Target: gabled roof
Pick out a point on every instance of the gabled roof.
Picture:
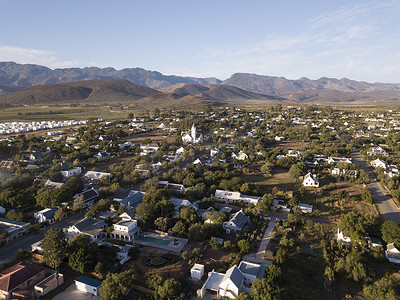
(252, 269)
(18, 274)
(88, 194)
(133, 199)
(88, 224)
(180, 202)
(239, 219)
(49, 213)
(234, 275)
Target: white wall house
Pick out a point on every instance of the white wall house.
(378, 163)
(88, 285)
(236, 222)
(46, 214)
(233, 282)
(71, 172)
(310, 180)
(232, 197)
(126, 229)
(392, 253)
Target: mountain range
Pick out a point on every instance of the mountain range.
(28, 84)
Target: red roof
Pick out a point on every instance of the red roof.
(18, 274)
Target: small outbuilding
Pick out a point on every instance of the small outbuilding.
(88, 285)
(197, 271)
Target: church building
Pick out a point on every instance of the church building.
(193, 137)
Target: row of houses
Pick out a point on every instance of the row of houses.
(18, 127)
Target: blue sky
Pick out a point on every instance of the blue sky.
(359, 40)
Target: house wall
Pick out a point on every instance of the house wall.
(86, 288)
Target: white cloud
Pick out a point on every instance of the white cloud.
(337, 44)
(33, 56)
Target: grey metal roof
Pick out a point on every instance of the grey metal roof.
(88, 194)
(50, 213)
(252, 269)
(134, 198)
(239, 219)
(235, 276)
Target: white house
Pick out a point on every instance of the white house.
(124, 145)
(197, 271)
(193, 137)
(46, 214)
(334, 160)
(233, 282)
(125, 229)
(377, 151)
(88, 285)
(378, 163)
(236, 222)
(279, 205)
(71, 172)
(240, 156)
(251, 272)
(89, 226)
(310, 180)
(181, 202)
(101, 155)
(95, 175)
(341, 238)
(232, 197)
(306, 208)
(148, 149)
(172, 186)
(392, 253)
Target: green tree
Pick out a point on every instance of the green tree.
(363, 177)
(154, 281)
(79, 203)
(54, 248)
(383, 289)
(391, 232)
(196, 232)
(244, 246)
(81, 252)
(168, 289)
(59, 214)
(50, 198)
(180, 229)
(267, 168)
(297, 170)
(116, 285)
(264, 290)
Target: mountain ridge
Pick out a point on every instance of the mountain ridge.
(14, 77)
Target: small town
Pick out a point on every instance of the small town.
(296, 201)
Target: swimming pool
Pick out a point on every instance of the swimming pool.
(151, 239)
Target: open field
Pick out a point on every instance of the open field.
(280, 179)
(295, 145)
(48, 113)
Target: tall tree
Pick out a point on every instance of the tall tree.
(54, 248)
(116, 285)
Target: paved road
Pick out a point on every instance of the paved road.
(384, 202)
(8, 252)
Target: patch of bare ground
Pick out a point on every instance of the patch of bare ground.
(299, 145)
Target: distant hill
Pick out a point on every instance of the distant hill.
(240, 87)
(215, 92)
(26, 75)
(273, 85)
(96, 91)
